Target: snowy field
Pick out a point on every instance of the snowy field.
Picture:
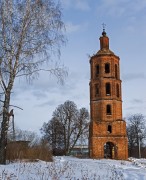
(69, 168)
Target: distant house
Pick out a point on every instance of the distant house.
(80, 151)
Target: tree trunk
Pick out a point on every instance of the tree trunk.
(4, 128)
(76, 139)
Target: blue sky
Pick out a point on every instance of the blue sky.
(126, 28)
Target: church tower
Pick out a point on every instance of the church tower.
(107, 137)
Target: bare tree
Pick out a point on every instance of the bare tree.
(81, 129)
(30, 32)
(72, 125)
(53, 133)
(24, 135)
(136, 131)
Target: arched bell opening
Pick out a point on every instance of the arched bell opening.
(110, 150)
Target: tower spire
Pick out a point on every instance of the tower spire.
(104, 33)
(104, 40)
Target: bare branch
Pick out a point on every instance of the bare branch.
(16, 107)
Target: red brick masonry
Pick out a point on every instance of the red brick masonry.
(106, 124)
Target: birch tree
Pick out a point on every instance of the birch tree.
(30, 32)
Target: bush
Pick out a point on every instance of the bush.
(18, 150)
(39, 152)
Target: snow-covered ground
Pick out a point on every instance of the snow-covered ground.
(69, 168)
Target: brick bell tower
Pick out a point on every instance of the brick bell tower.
(107, 137)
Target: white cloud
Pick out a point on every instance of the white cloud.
(66, 3)
(76, 4)
(138, 6)
(70, 27)
(137, 101)
(41, 98)
(133, 76)
(82, 5)
(111, 7)
(130, 29)
(121, 8)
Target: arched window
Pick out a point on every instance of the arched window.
(116, 71)
(108, 109)
(109, 129)
(107, 68)
(108, 89)
(96, 89)
(117, 90)
(97, 70)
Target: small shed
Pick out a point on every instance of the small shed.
(80, 151)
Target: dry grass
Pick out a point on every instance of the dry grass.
(58, 170)
(20, 150)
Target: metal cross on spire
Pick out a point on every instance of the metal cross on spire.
(103, 33)
(103, 25)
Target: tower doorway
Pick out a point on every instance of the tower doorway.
(110, 150)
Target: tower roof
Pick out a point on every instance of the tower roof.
(104, 44)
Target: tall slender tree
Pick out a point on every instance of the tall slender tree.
(30, 31)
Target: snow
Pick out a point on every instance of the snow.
(68, 168)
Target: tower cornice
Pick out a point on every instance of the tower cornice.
(104, 54)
